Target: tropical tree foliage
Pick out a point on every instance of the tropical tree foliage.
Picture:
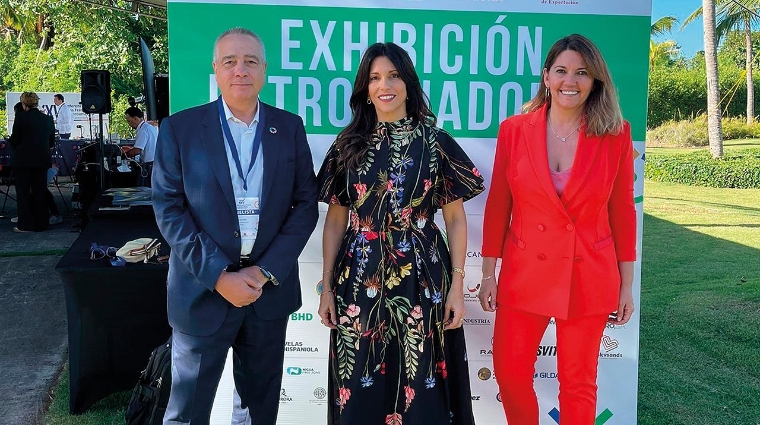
(47, 43)
(734, 15)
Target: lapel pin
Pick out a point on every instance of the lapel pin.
(272, 130)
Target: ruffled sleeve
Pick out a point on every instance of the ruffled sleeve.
(458, 177)
(333, 183)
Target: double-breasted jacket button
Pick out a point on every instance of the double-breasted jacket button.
(578, 259)
(541, 227)
(569, 227)
(237, 234)
(541, 257)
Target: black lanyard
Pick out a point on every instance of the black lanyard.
(231, 142)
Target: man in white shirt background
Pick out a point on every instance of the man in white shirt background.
(145, 142)
(64, 119)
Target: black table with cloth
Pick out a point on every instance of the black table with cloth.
(116, 315)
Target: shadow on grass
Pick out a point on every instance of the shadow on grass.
(700, 329)
(108, 411)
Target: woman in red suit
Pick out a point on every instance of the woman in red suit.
(560, 214)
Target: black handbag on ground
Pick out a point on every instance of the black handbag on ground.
(150, 396)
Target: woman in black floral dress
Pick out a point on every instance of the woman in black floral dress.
(392, 283)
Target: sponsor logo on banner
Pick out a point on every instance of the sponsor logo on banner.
(612, 326)
(498, 397)
(486, 352)
(474, 254)
(484, 374)
(475, 398)
(284, 398)
(298, 346)
(600, 420)
(320, 396)
(546, 351)
(473, 287)
(303, 317)
(474, 321)
(295, 370)
(545, 375)
(473, 298)
(608, 346)
(561, 2)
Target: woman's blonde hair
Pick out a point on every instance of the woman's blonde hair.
(602, 109)
(30, 99)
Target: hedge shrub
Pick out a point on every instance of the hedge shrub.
(693, 132)
(739, 168)
(680, 92)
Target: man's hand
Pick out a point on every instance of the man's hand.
(238, 288)
(255, 275)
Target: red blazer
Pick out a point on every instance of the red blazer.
(560, 255)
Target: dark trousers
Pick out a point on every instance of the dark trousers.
(198, 361)
(31, 189)
(64, 136)
(145, 174)
(50, 202)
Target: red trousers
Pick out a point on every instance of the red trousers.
(517, 336)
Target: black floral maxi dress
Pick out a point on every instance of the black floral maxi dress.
(390, 361)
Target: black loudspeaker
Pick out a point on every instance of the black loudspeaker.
(96, 92)
(162, 96)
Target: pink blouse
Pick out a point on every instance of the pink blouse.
(559, 179)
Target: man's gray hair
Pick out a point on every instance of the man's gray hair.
(240, 31)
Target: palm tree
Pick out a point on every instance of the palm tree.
(714, 130)
(732, 15)
(666, 49)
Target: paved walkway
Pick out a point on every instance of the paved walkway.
(33, 337)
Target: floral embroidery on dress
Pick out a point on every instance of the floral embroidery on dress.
(389, 354)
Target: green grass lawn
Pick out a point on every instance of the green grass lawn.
(700, 312)
(700, 306)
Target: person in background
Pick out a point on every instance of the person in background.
(64, 119)
(560, 214)
(55, 215)
(221, 169)
(145, 143)
(392, 289)
(31, 140)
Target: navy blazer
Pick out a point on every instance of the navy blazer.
(195, 210)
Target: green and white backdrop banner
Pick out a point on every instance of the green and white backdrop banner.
(479, 61)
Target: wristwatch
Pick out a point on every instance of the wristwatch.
(270, 277)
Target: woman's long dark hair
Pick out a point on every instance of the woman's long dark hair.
(353, 141)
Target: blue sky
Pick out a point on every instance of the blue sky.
(690, 38)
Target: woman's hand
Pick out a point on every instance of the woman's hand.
(327, 310)
(454, 310)
(487, 294)
(625, 307)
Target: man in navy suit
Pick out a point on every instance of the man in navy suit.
(221, 169)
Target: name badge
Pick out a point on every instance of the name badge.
(248, 218)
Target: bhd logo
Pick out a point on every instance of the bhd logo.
(477, 321)
(303, 317)
(600, 420)
(292, 370)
